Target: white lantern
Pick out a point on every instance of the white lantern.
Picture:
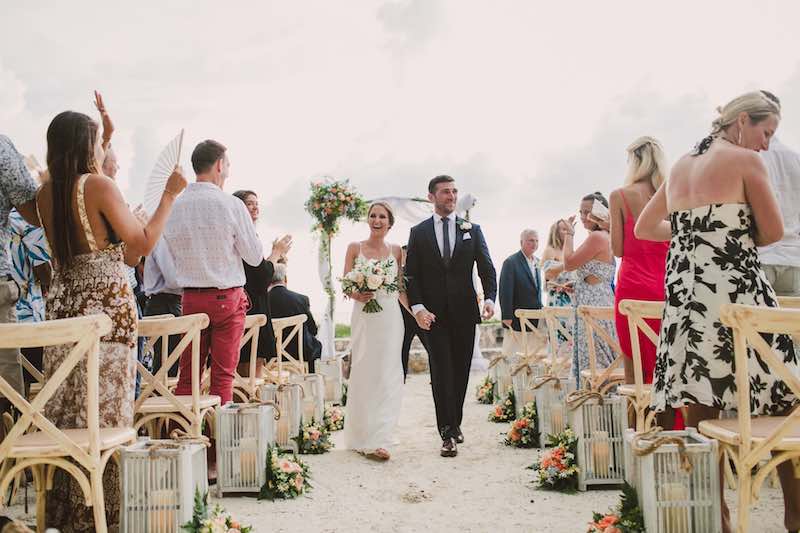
(331, 370)
(599, 425)
(289, 398)
(551, 394)
(159, 479)
(313, 396)
(243, 433)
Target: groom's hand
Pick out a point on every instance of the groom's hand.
(425, 319)
(488, 310)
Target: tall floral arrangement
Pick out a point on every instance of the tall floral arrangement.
(330, 201)
(505, 411)
(206, 519)
(524, 431)
(626, 518)
(485, 391)
(287, 478)
(557, 468)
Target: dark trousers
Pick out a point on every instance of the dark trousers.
(164, 304)
(412, 330)
(451, 347)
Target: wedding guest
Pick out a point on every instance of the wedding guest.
(520, 288)
(163, 296)
(560, 283)
(31, 271)
(412, 329)
(641, 276)
(258, 279)
(716, 207)
(209, 234)
(781, 260)
(285, 303)
(17, 189)
(593, 264)
(88, 224)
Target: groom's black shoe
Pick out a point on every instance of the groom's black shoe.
(459, 436)
(449, 448)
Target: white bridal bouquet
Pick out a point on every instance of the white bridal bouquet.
(371, 275)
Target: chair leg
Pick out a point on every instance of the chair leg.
(730, 477)
(743, 497)
(40, 485)
(98, 501)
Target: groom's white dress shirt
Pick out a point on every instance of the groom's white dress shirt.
(438, 230)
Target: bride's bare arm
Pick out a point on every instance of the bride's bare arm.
(398, 255)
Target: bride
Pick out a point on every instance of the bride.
(376, 374)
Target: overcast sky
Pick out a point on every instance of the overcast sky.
(529, 105)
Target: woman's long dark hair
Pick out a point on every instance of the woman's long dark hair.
(71, 139)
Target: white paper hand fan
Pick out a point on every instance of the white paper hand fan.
(167, 160)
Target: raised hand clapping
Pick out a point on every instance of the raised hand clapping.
(108, 125)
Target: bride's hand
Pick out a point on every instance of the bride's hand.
(362, 297)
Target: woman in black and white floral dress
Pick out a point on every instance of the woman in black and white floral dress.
(720, 206)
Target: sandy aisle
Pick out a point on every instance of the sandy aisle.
(485, 488)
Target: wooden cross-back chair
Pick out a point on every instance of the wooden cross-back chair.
(530, 337)
(747, 439)
(556, 330)
(83, 453)
(639, 393)
(600, 380)
(157, 404)
(246, 388)
(286, 329)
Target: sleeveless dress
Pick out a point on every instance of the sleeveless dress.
(557, 298)
(597, 294)
(641, 277)
(95, 282)
(375, 389)
(713, 260)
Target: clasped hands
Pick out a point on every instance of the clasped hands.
(425, 318)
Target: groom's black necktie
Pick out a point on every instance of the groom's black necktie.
(445, 241)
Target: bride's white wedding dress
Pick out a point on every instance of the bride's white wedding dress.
(375, 388)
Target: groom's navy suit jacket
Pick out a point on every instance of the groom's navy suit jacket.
(447, 291)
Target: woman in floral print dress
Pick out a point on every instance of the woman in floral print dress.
(720, 206)
(88, 226)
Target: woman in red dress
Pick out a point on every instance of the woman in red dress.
(641, 276)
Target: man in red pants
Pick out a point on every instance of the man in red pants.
(209, 233)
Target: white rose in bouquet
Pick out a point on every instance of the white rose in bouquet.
(374, 281)
(359, 278)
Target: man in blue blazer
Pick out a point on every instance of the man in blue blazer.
(520, 288)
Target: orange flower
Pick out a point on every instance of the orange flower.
(514, 434)
(498, 411)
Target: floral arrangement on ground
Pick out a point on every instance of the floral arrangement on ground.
(557, 468)
(485, 391)
(211, 520)
(524, 431)
(313, 438)
(287, 478)
(626, 518)
(334, 418)
(505, 411)
(332, 199)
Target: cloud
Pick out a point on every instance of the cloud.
(12, 94)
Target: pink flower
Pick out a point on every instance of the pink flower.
(286, 465)
(298, 482)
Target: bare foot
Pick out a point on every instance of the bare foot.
(379, 455)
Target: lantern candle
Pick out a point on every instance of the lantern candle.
(248, 460)
(162, 511)
(601, 453)
(557, 418)
(308, 411)
(676, 516)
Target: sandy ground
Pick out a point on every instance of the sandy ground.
(485, 488)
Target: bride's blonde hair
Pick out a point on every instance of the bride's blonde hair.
(385, 206)
(646, 161)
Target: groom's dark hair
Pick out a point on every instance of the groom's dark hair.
(437, 180)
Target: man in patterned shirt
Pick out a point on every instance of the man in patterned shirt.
(17, 189)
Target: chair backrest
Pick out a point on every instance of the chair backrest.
(189, 327)
(285, 330)
(590, 316)
(748, 322)
(637, 312)
(789, 302)
(84, 334)
(556, 318)
(532, 351)
(252, 330)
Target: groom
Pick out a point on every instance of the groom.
(441, 253)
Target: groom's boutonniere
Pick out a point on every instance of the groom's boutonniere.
(465, 226)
